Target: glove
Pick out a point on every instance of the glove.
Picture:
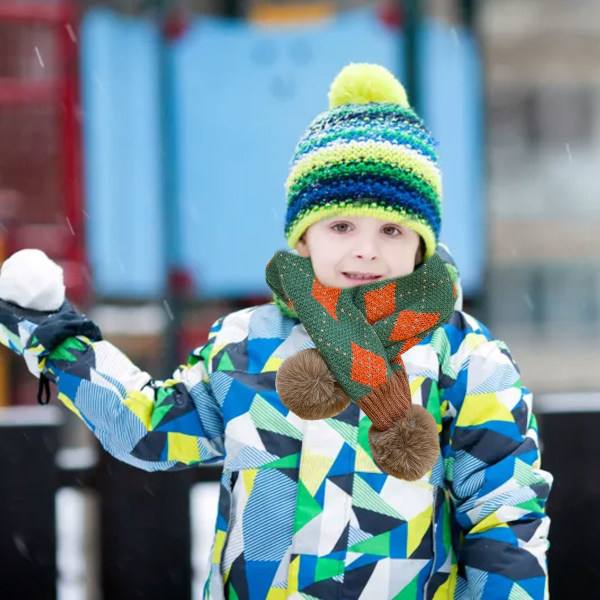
(45, 319)
(360, 334)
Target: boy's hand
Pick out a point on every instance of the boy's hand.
(34, 315)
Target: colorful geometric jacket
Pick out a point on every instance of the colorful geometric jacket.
(304, 512)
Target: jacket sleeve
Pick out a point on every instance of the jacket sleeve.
(154, 425)
(498, 491)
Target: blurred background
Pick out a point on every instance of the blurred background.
(144, 145)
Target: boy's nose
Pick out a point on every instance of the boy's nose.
(366, 251)
(365, 255)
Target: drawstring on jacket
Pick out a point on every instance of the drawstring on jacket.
(44, 387)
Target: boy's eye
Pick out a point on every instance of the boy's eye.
(391, 230)
(340, 227)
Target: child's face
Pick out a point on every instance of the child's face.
(349, 251)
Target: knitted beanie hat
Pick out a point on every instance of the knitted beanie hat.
(368, 155)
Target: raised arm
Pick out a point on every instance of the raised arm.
(151, 424)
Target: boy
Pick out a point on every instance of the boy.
(304, 510)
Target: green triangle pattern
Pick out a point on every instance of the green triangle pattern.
(524, 474)
(530, 505)
(533, 424)
(410, 591)
(225, 363)
(378, 545)
(63, 351)
(441, 345)
(287, 462)
(307, 508)
(73, 343)
(328, 567)
(433, 404)
(162, 407)
(518, 593)
(366, 497)
(446, 525)
(232, 594)
(158, 414)
(363, 434)
(267, 417)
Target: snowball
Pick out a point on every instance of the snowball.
(31, 280)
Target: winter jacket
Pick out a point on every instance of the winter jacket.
(304, 512)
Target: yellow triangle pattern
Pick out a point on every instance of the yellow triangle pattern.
(277, 594)
(226, 575)
(272, 364)
(489, 522)
(444, 407)
(249, 475)
(417, 527)
(474, 340)
(293, 575)
(364, 462)
(141, 406)
(446, 590)
(415, 384)
(314, 469)
(182, 447)
(218, 547)
(481, 408)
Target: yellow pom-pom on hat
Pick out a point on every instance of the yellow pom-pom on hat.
(361, 83)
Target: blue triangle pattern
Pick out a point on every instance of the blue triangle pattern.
(344, 461)
(187, 423)
(259, 351)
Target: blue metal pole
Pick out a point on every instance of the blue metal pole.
(412, 12)
(173, 302)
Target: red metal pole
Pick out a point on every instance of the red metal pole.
(67, 32)
(70, 115)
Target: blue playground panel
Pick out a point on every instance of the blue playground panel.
(242, 95)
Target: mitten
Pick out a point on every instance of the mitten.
(359, 334)
(34, 315)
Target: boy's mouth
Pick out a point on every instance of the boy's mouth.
(362, 277)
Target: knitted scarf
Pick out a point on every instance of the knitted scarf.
(362, 331)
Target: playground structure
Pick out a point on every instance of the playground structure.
(41, 193)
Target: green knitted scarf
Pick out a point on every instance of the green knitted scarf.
(362, 331)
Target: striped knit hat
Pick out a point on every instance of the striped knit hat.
(368, 155)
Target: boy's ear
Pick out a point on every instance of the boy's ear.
(302, 248)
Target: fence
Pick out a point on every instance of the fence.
(79, 526)
(76, 525)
